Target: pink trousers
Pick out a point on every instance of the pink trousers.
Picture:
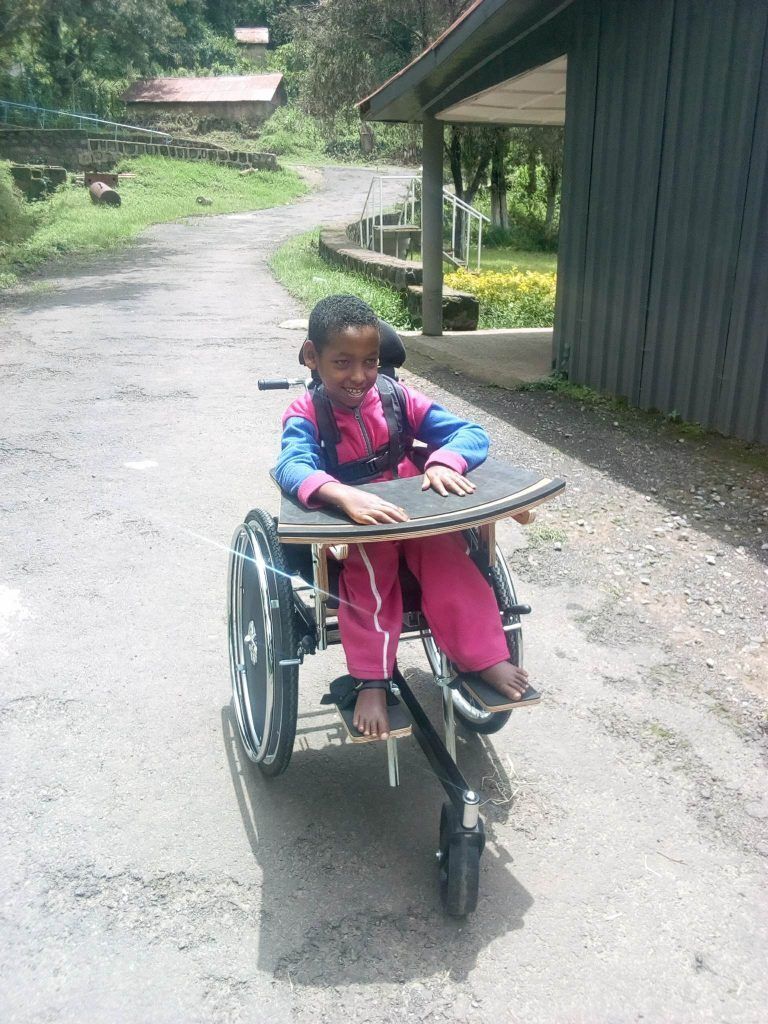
(457, 601)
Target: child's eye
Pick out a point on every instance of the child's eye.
(341, 363)
(371, 362)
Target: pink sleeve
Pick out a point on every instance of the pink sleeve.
(446, 457)
(310, 485)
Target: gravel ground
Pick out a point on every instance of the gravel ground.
(148, 874)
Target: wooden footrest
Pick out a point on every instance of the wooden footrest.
(491, 700)
(399, 724)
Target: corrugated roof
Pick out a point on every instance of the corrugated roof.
(252, 35)
(216, 89)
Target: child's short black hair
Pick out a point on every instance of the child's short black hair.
(335, 313)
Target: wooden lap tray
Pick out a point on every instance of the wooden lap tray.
(502, 491)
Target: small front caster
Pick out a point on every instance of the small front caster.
(459, 860)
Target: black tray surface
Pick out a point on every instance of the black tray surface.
(502, 490)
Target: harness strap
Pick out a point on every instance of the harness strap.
(386, 458)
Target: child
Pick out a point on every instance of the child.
(342, 350)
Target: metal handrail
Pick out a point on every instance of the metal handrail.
(407, 215)
(4, 104)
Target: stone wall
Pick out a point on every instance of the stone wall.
(76, 149)
(461, 310)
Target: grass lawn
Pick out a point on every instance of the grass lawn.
(298, 266)
(505, 259)
(163, 190)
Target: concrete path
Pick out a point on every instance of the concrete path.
(148, 875)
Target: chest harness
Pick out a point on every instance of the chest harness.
(388, 457)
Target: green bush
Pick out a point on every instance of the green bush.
(16, 221)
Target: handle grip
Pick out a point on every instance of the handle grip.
(274, 384)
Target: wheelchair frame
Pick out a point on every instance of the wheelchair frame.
(285, 636)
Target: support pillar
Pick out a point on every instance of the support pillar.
(432, 227)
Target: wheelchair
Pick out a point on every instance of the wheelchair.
(283, 604)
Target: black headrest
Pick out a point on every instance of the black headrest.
(391, 351)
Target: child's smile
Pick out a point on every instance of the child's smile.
(348, 364)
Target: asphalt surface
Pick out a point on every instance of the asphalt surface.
(148, 874)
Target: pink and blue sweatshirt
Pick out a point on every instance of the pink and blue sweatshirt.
(301, 467)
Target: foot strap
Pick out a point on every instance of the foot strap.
(344, 691)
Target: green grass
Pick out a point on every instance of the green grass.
(299, 267)
(163, 190)
(507, 259)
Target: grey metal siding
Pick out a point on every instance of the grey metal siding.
(663, 273)
(581, 96)
(631, 90)
(744, 410)
(717, 51)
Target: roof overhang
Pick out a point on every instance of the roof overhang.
(476, 71)
(535, 97)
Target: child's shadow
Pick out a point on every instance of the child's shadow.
(349, 874)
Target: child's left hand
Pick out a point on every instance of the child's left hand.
(446, 481)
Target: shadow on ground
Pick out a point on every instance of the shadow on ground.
(637, 452)
(334, 841)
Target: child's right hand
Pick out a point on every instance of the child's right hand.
(361, 507)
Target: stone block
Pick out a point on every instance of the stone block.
(461, 310)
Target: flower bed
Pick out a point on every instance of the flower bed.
(514, 298)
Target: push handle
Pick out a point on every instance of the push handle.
(274, 384)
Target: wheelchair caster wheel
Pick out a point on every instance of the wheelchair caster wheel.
(459, 861)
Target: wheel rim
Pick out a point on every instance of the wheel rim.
(463, 702)
(251, 642)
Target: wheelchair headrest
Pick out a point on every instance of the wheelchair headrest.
(391, 350)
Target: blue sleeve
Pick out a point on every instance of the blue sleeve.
(440, 429)
(300, 454)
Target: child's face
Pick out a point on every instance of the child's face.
(348, 364)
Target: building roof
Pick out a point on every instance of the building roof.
(459, 70)
(252, 36)
(215, 89)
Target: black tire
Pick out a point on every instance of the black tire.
(459, 866)
(469, 712)
(262, 634)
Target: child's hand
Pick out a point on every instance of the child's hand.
(361, 507)
(446, 481)
(368, 509)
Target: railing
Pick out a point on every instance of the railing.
(464, 220)
(83, 120)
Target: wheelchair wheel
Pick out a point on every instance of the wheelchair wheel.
(459, 865)
(473, 716)
(263, 646)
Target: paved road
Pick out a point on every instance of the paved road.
(148, 875)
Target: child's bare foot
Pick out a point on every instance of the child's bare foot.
(371, 717)
(508, 679)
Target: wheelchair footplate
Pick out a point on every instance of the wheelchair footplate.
(493, 701)
(399, 724)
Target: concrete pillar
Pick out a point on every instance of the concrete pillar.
(432, 226)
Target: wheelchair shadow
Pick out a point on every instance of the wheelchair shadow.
(349, 890)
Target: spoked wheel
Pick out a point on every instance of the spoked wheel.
(471, 713)
(263, 647)
(459, 864)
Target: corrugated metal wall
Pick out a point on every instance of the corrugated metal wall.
(663, 266)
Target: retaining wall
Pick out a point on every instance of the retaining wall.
(461, 310)
(76, 149)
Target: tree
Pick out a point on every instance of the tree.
(351, 47)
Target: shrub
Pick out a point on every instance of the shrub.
(16, 222)
(512, 299)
